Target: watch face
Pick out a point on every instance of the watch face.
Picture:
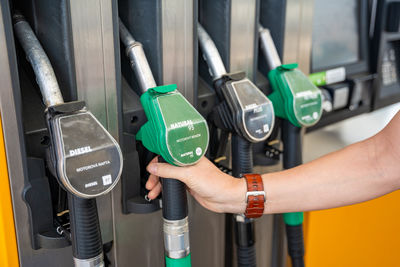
(89, 161)
(254, 111)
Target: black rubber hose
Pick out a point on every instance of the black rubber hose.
(242, 156)
(294, 235)
(292, 157)
(174, 199)
(245, 243)
(246, 256)
(292, 145)
(242, 162)
(85, 227)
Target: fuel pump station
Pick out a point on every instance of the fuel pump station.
(299, 103)
(176, 132)
(70, 125)
(82, 155)
(247, 113)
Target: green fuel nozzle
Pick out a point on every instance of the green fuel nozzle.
(175, 129)
(294, 96)
(177, 132)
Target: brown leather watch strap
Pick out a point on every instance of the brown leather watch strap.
(255, 196)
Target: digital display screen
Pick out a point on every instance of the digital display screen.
(335, 39)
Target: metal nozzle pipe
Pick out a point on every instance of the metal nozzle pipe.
(211, 54)
(138, 60)
(126, 37)
(41, 65)
(268, 48)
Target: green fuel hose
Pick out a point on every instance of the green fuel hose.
(183, 262)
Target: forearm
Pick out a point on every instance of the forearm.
(345, 177)
(357, 173)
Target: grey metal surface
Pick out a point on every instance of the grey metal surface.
(15, 148)
(210, 53)
(94, 56)
(138, 238)
(40, 63)
(243, 36)
(138, 60)
(298, 33)
(207, 236)
(178, 45)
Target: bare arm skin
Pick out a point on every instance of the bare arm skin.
(357, 173)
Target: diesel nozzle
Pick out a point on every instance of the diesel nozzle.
(83, 156)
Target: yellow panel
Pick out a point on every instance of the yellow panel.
(366, 234)
(8, 242)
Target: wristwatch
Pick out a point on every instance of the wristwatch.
(255, 196)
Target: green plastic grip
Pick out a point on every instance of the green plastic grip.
(183, 262)
(293, 218)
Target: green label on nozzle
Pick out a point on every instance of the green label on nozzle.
(307, 98)
(186, 129)
(175, 129)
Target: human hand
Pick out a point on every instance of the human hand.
(212, 188)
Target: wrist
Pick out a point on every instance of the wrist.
(236, 196)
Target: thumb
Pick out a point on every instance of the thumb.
(165, 170)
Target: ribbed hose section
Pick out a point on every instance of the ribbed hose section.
(242, 156)
(246, 256)
(174, 199)
(242, 162)
(85, 228)
(295, 244)
(245, 242)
